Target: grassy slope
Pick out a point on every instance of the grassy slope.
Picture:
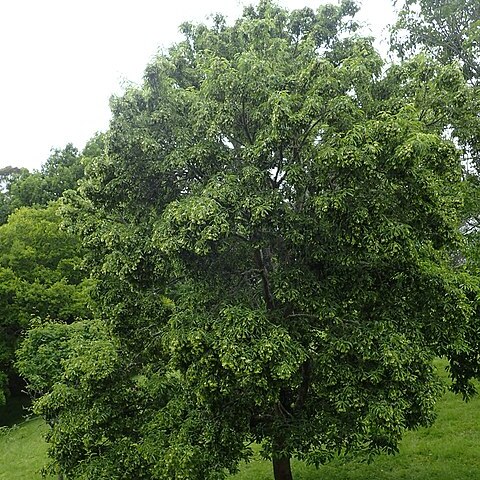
(23, 451)
(447, 451)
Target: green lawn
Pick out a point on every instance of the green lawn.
(23, 451)
(450, 450)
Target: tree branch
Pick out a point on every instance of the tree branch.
(306, 371)
(260, 259)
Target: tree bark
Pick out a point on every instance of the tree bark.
(281, 464)
(281, 469)
(263, 261)
(281, 461)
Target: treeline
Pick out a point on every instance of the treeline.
(272, 242)
(40, 263)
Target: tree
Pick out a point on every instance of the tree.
(272, 231)
(8, 175)
(39, 263)
(39, 277)
(61, 171)
(80, 352)
(449, 30)
(449, 33)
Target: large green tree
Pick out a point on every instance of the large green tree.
(273, 227)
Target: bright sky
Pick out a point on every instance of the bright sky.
(61, 60)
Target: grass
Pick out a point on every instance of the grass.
(23, 451)
(447, 451)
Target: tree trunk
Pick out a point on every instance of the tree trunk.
(281, 469)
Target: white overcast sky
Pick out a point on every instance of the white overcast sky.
(61, 60)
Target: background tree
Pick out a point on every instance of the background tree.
(78, 365)
(449, 30)
(272, 229)
(8, 175)
(449, 33)
(39, 277)
(61, 171)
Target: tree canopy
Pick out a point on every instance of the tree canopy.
(449, 30)
(449, 33)
(60, 172)
(273, 224)
(39, 277)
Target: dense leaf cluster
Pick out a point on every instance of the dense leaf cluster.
(40, 276)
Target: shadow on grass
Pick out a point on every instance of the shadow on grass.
(15, 411)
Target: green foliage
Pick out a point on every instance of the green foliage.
(272, 226)
(60, 172)
(449, 33)
(21, 188)
(8, 175)
(447, 450)
(39, 277)
(448, 30)
(93, 400)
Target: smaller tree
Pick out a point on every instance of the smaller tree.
(448, 31)
(94, 397)
(60, 172)
(39, 276)
(8, 176)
